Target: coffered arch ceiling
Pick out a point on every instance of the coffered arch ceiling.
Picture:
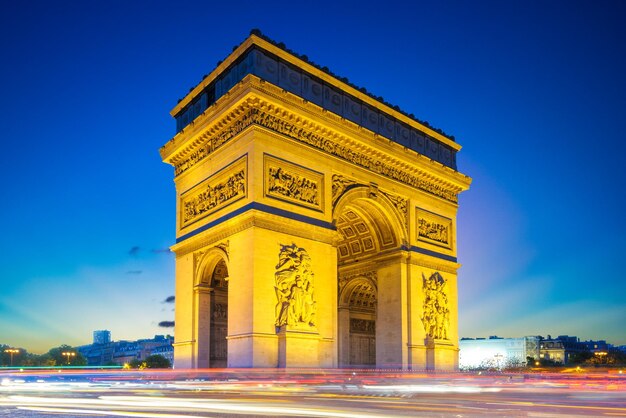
(363, 296)
(365, 231)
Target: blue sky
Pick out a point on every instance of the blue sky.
(534, 91)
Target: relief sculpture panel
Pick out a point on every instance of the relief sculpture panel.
(224, 187)
(295, 305)
(292, 183)
(362, 326)
(434, 229)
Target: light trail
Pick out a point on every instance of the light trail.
(105, 404)
(309, 394)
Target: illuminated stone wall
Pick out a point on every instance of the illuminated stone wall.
(339, 244)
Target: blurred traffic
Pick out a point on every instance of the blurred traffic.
(308, 393)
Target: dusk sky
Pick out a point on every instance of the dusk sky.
(534, 91)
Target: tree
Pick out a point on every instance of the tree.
(55, 357)
(15, 358)
(157, 361)
(137, 364)
(580, 357)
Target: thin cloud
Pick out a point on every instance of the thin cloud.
(134, 272)
(134, 251)
(161, 251)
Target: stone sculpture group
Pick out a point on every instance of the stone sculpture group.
(436, 317)
(294, 288)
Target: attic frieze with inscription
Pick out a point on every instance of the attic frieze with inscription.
(322, 139)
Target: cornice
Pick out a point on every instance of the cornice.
(347, 131)
(433, 263)
(273, 49)
(212, 120)
(251, 219)
(255, 102)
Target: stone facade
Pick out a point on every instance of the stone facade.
(305, 239)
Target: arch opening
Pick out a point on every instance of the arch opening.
(358, 301)
(366, 229)
(218, 330)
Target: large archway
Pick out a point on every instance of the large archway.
(211, 305)
(369, 235)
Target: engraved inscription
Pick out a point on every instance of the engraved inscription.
(211, 194)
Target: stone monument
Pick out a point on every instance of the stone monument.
(316, 224)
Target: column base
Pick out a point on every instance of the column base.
(298, 347)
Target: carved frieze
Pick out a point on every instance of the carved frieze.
(225, 187)
(294, 287)
(293, 183)
(434, 229)
(321, 141)
(436, 317)
(350, 154)
(220, 312)
(362, 326)
(215, 141)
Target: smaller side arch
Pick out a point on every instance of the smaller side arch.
(345, 294)
(207, 264)
(210, 310)
(357, 322)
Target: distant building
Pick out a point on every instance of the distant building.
(496, 352)
(562, 348)
(553, 350)
(102, 337)
(122, 352)
(597, 346)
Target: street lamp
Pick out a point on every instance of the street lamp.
(601, 355)
(11, 351)
(68, 354)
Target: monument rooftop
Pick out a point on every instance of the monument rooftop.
(275, 64)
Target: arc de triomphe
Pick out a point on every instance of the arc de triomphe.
(316, 224)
